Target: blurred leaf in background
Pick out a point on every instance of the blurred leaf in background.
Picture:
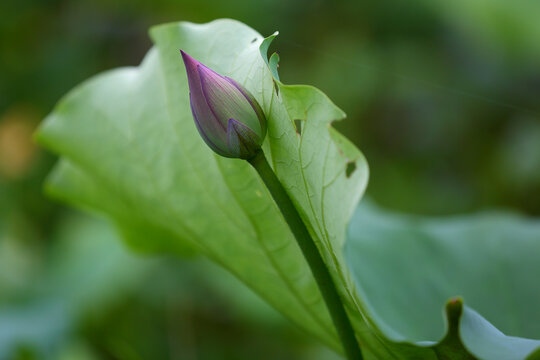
(94, 299)
(407, 267)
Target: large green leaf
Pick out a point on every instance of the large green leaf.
(131, 150)
(407, 267)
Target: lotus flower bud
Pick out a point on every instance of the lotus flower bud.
(226, 114)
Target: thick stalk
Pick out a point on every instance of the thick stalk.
(312, 255)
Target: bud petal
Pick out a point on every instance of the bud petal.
(227, 116)
(242, 140)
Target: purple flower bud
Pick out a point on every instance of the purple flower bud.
(227, 115)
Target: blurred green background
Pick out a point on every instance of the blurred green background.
(443, 98)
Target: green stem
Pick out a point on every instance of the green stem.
(312, 255)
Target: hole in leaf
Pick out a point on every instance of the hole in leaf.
(351, 166)
(298, 126)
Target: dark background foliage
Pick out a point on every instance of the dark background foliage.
(443, 98)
